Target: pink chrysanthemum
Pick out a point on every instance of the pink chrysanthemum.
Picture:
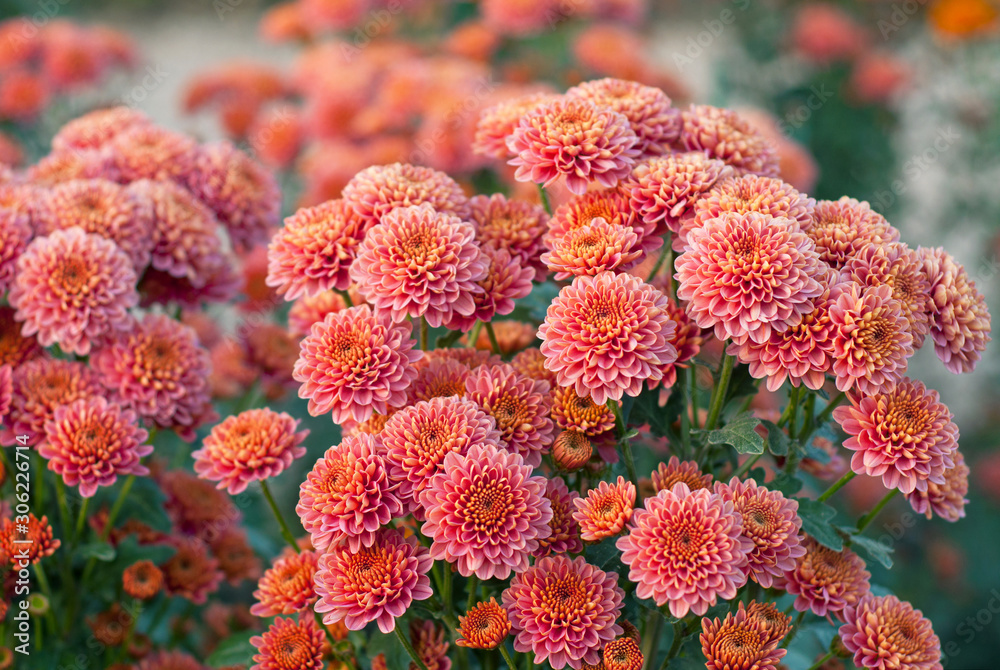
(15, 348)
(748, 275)
(348, 495)
(73, 289)
(15, 233)
(507, 279)
(564, 611)
(960, 318)
(147, 151)
(826, 581)
(607, 335)
(416, 440)
(439, 378)
(497, 123)
(314, 251)
(739, 642)
(192, 572)
(355, 363)
(593, 248)
(41, 386)
(519, 405)
(648, 109)
(884, 632)
(91, 441)
(842, 228)
(485, 512)
(6, 389)
(306, 311)
(379, 189)
(287, 586)
(724, 134)
(676, 470)
(576, 139)
(431, 644)
(160, 370)
(95, 129)
(514, 225)
(420, 262)
(251, 446)
(610, 204)
(376, 583)
(663, 191)
(565, 536)
(945, 500)
(290, 644)
(243, 194)
(572, 411)
(905, 436)
(685, 548)
(871, 338)
(771, 522)
(605, 510)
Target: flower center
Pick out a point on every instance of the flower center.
(486, 505)
(73, 276)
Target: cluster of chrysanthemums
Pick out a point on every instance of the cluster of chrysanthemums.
(475, 495)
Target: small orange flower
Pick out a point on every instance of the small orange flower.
(605, 510)
(571, 450)
(142, 580)
(668, 474)
(623, 654)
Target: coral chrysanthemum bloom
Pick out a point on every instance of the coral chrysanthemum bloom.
(15, 349)
(685, 548)
(41, 386)
(622, 653)
(355, 363)
(842, 228)
(747, 275)
(572, 411)
(95, 129)
(485, 512)
(439, 377)
(376, 583)
(724, 134)
(676, 470)
(905, 436)
(592, 248)
(496, 123)
(431, 644)
(379, 189)
(416, 440)
(665, 190)
(15, 233)
(564, 611)
(315, 249)
(514, 225)
(304, 312)
(420, 262)
(250, 446)
(826, 581)
(147, 151)
(605, 510)
(775, 621)
(884, 632)
(565, 537)
(739, 642)
(610, 204)
(648, 109)
(531, 363)
(871, 338)
(160, 370)
(195, 506)
(485, 626)
(73, 289)
(31, 541)
(519, 405)
(92, 441)
(575, 139)
(508, 278)
(142, 580)
(288, 644)
(945, 500)
(287, 586)
(771, 522)
(348, 495)
(571, 450)
(607, 335)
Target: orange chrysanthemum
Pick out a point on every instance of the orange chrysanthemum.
(622, 653)
(571, 450)
(674, 471)
(605, 510)
(31, 541)
(740, 642)
(826, 581)
(842, 228)
(287, 586)
(485, 626)
(142, 580)
(290, 645)
(191, 573)
(885, 633)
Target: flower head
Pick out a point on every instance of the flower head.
(507, 279)
(147, 151)
(514, 225)
(605, 510)
(826, 581)
(531, 363)
(622, 653)
(15, 348)
(593, 248)
(676, 470)
(945, 500)
(664, 190)
(191, 573)
(40, 387)
(724, 134)
(142, 580)
(287, 586)
(571, 450)
(195, 506)
(306, 311)
(580, 413)
(485, 626)
(439, 377)
(290, 644)
(430, 643)
(775, 621)
(95, 129)
(611, 205)
(497, 123)
(15, 233)
(739, 642)
(379, 189)
(565, 537)
(31, 541)
(883, 632)
(648, 110)
(842, 228)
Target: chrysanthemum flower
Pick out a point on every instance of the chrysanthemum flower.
(607, 335)
(439, 377)
(290, 644)
(420, 262)
(485, 512)
(648, 109)
(905, 436)
(91, 441)
(576, 139)
(95, 129)
(376, 583)
(842, 228)
(724, 134)
(41, 386)
(771, 522)
(610, 204)
(31, 545)
(826, 581)
(774, 620)
(147, 151)
(306, 311)
(739, 642)
(15, 348)
(6, 389)
(622, 653)
(685, 548)
(287, 586)
(944, 500)
(580, 413)
(571, 450)
(73, 289)
(64, 166)
(884, 632)
(355, 363)
(676, 470)
(485, 626)
(169, 660)
(531, 363)
(160, 370)
(593, 248)
(564, 611)
(664, 190)
(519, 405)
(511, 336)
(871, 338)
(565, 537)
(142, 580)
(605, 510)
(747, 275)
(960, 318)
(348, 495)
(518, 18)
(191, 573)
(250, 446)
(195, 506)
(514, 225)
(430, 643)
(379, 189)
(416, 440)
(507, 279)
(214, 279)
(497, 123)
(236, 557)
(15, 233)
(315, 249)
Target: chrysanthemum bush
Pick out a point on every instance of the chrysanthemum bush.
(594, 429)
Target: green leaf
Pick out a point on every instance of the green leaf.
(102, 551)
(872, 550)
(816, 518)
(740, 434)
(234, 650)
(646, 409)
(602, 553)
(777, 440)
(787, 484)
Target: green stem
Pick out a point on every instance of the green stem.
(447, 580)
(745, 468)
(822, 417)
(679, 630)
(493, 338)
(867, 519)
(285, 532)
(819, 664)
(693, 372)
(682, 380)
(63, 506)
(423, 332)
(544, 197)
(117, 506)
(651, 638)
(472, 586)
(623, 441)
(405, 641)
(474, 334)
(80, 519)
(659, 262)
(507, 658)
(837, 485)
(809, 411)
(795, 629)
(346, 296)
(719, 395)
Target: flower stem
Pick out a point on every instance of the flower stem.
(405, 641)
(472, 586)
(682, 380)
(795, 629)
(651, 638)
(867, 519)
(423, 333)
(285, 532)
(80, 519)
(819, 664)
(719, 395)
(474, 334)
(507, 658)
(810, 417)
(693, 372)
(346, 296)
(837, 485)
(543, 195)
(679, 630)
(659, 262)
(830, 406)
(63, 505)
(623, 441)
(745, 468)
(493, 338)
